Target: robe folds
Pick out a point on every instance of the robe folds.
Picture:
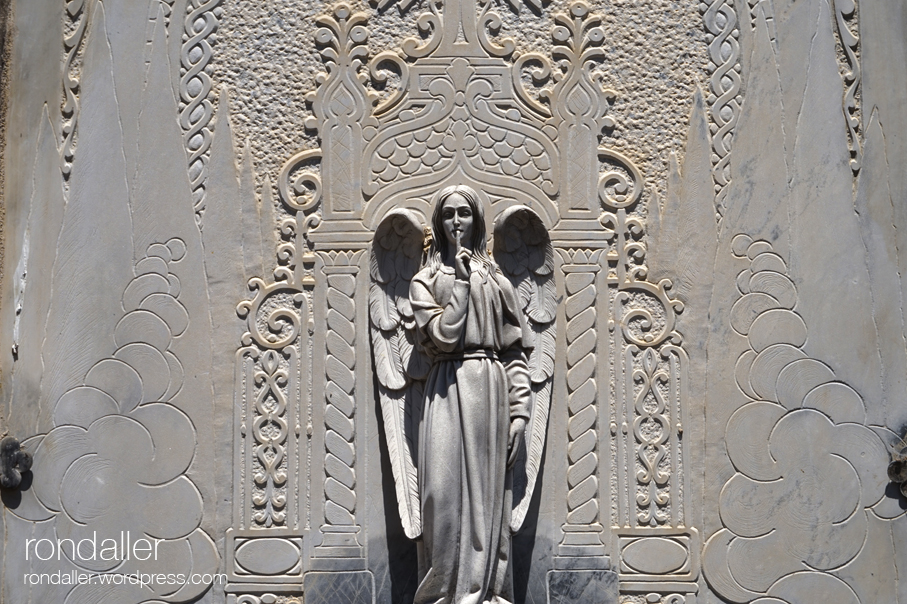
(478, 383)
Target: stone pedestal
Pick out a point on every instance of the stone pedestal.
(582, 587)
(339, 587)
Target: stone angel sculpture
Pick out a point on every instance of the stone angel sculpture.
(463, 347)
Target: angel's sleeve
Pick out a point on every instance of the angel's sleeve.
(519, 385)
(443, 325)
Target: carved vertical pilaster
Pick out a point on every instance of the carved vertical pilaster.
(721, 23)
(341, 527)
(648, 414)
(582, 530)
(195, 88)
(270, 462)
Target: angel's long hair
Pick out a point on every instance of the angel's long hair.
(439, 250)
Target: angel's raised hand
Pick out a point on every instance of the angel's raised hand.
(461, 263)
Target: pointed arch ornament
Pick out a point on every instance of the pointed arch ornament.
(459, 104)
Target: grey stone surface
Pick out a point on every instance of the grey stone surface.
(350, 587)
(213, 212)
(593, 586)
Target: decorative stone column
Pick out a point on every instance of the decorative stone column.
(340, 528)
(582, 531)
(338, 567)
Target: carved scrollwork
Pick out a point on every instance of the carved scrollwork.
(644, 325)
(272, 323)
(845, 11)
(622, 185)
(490, 21)
(270, 431)
(72, 43)
(651, 427)
(377, 69)
(300, 188)
(646, 313)
(429, 24)
(539, 69)
(286, 251)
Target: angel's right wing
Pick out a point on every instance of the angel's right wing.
(400, 364)
(522, 248)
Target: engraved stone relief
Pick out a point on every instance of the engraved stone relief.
(773, 507)
(242, 315)
(438, 365)
(195, 89)
(721, 22)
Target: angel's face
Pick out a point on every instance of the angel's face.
(456, 218)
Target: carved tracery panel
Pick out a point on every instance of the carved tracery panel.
(524, 129)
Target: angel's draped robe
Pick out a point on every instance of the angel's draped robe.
(478, 383)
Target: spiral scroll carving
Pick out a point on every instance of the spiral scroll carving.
(340, 364)
(845, 19)
(195, 87)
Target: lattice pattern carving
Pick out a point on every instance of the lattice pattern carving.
(651, 428)
(270, 430)
(195, 88)
(721, 23)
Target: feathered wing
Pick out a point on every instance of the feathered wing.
(522, 248)
(400, 365)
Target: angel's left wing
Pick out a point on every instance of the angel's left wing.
(522, 248)
(400, 365)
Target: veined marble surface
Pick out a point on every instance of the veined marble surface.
(213, 211)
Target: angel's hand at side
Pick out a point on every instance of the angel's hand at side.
(517, 430)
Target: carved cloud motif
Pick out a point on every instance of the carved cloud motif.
(118, 438)
(800, 435)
